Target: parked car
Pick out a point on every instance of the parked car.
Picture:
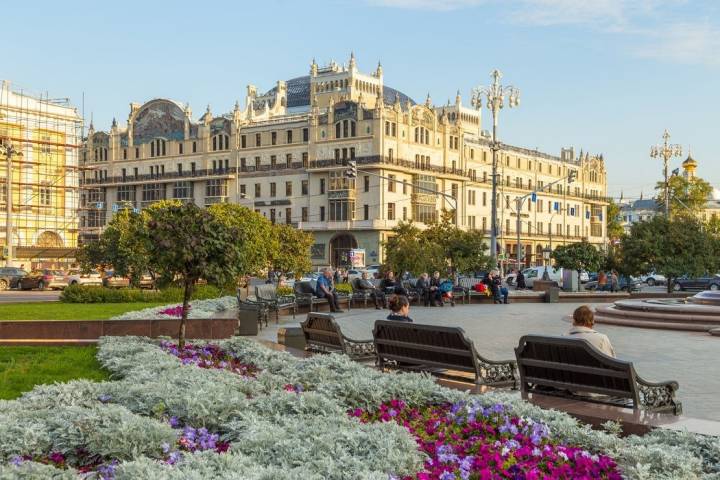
(110, 280)
(653, 279)
(10, 277)
(584, 277)
(76, 277)
(353, 274)
(709, 282)
(536, 273)
(42, 279)
(627, 284)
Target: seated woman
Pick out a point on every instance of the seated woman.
(400, 307)
(583, 321)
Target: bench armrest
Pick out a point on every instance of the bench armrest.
(285, 299)
(659, 396)
(359, 348)
(498, 371)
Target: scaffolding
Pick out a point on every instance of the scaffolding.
(43, 177)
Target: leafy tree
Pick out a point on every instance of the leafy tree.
(676, 247)
(613, 224)
(122, 245)
(578, 256)
(291, 250)
(187, 243)
(256, 236)
(688, 196)
(461, 250)
(404, 249)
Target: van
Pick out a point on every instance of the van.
(536, 273)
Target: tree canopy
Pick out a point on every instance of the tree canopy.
(687, 195)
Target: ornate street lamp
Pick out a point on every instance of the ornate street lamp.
(546, 256)
(495, 96)
(666, 151)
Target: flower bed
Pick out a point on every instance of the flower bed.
(175, 414)
(198, 309)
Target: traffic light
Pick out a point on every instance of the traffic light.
(572, 176)
(351, 171)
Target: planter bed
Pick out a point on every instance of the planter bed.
(236, 409)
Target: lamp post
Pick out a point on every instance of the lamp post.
(495, 99)
(9, 151)
(666, 151)
(546, 256)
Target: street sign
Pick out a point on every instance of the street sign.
(533, 197)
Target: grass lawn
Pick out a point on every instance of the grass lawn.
(67, 311)
(21, 368)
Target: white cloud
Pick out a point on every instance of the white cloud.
(427, 4)
(682, 42)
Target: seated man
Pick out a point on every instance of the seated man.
(364, 284)
(435, 293)
(583, 321)
(390, 285)
(423, 288)
(324, 289)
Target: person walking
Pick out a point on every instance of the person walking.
(583, 322)
(324, 289)
(520, 281)
(602, 281)
(366, 285)
(613, 281)
(400, 308)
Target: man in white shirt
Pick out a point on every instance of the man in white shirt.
(583, 321)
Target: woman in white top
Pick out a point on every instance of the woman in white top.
(583, 321)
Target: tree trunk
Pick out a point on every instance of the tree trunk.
(189, 286)
(670, 285)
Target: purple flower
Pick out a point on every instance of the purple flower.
(105, 397)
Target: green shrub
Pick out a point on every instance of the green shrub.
(285, 291)
(343, 288)
(90, 294)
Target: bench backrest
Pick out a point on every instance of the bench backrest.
(428, 345)
(575, 365)
(355, 284)
(266, 292)
(320, 329)
(304, 288)
(467, 282)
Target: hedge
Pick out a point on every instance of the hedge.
(90, 294)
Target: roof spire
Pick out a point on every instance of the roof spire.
(428, 101)
(352, 64)
(379, 70)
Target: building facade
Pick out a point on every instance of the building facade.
(43, 179)
(284, 154)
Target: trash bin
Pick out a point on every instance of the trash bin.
(552, 295)
(249, 318)
(291, 337)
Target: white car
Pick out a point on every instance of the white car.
(373, 270)
(653, 279)
(76, 277)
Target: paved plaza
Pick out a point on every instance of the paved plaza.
(689, 358)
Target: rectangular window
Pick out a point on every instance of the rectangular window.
(322, 214)
(306, 135)
(194, 147)
(126, 193)
(390, 154)
(272, 216)
(404, 213)
(391, 211)
(258, 190)
(137, 152)
(404, 185)
(45, 196)
(341, 210)
(387, 128)
(304, 214)
(391, 183)
(243, 165)
(192, 167)
(243, 192)
(257, 163)
(304, 187)
(596, 229)
(394, 130)
(322, 186)
(214, 189)
(258, 140)
(366, 212)
(135, 172)
(366, 183)
(288, 215)
(288, 160)
(273, 189)
(288, 189)
(152, 192)
(484, 199)
(273, 161)
(180, 148)
(305, 162)
(124, 174)
(484, 223)
(243, 141)
(288, 136)
(183, 190)
(124, 153)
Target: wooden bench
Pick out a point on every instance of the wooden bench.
(572, 368)
(305, 295)
(467, 285)
(442, 351)
(267, 293)
(322, 334)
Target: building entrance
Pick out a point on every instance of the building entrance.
(340, 247)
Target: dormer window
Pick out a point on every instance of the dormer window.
(220, 142)
(345, 129)
(157, 148)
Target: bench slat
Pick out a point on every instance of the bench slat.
(578, 387)
(565, 367)
(419, 362)
(425, 347)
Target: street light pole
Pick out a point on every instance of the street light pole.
(666, 151)
(495, 100)
(9, 150)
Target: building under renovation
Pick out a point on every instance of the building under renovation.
(38, 178)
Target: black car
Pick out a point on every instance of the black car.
(627, 284)
(10, 277)
(708, 282)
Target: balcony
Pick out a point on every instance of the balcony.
(343, 194)
(214, 200)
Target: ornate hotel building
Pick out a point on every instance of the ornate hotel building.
(283, 154)
(42, 177)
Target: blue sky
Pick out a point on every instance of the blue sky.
(602, 75)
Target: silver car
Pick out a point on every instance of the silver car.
(76, 277)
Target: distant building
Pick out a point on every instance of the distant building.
(44, 180)
(284, 154)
